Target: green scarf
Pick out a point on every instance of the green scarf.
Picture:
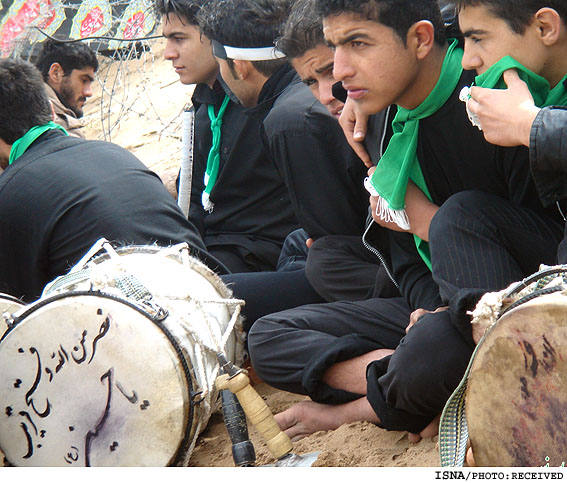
(541, 91)
(399, 163)
(213, 161)
(21, 145)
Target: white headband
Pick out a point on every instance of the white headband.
(252, 54)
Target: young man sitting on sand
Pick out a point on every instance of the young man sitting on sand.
(239, 202)
(352, 359)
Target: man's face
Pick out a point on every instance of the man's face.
(75, 88)
(315, 68)
(189, 52)
(489, 38)
(372, 62)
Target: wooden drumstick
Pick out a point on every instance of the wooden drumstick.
(257, 412)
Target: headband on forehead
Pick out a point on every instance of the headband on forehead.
(246, 53)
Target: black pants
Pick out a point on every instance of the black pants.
(470, 246)
(481, 241)
(340, 267)
(268, 292)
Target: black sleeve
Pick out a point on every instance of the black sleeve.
(315, 161)
(414, 278)
(548, 153)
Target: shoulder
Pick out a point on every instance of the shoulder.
(296, 109)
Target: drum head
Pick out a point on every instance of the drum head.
(516, 398)
(88, 380)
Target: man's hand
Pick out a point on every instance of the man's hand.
(419, 209)
(418, 313)
(506, 115)
(354, 126)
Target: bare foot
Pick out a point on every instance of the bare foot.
(428, 432)
(305, 418)
(308, 417)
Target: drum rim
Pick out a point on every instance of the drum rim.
(11, 298)
(185, 443)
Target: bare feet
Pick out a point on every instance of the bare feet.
(428, 432)
(308, 417)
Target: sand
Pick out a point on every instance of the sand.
(358, 444)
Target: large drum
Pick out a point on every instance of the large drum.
(514, 397)
(115, 365)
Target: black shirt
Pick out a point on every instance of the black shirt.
(63, 194)
(454, 157)
(252, 206)
(322, 173)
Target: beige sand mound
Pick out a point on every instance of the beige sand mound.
(355, 444)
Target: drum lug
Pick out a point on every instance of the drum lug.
(9, 319)
(193, 395)
(159, 313)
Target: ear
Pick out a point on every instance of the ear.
(421, 37)
(4, 153)
(243, 68)
(548, 23)
(56, 73)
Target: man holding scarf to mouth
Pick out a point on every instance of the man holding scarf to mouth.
(520, 98)
(354, 355)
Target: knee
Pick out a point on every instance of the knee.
(459, 211)
(315, 260)
(426, 367)
(257, 338)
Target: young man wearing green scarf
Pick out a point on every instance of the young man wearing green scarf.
(239, 202)
(60, 194)
(535, 34)
(355, 355)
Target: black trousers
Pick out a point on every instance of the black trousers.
(340, 267)
(268, 292)
(470, 246)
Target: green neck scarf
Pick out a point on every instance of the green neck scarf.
(21, 145)
(541, 91)
(213, 161)
(399, 163)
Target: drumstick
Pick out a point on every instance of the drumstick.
(255, 408)
(243, 452)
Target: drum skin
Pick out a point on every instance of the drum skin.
(516, 399)
(89, 381)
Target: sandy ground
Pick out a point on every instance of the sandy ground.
(351, 445)
(140, 111)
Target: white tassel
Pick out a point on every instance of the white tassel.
(399, 217)
(208, 205)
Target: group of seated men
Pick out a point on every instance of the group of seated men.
(369, 318)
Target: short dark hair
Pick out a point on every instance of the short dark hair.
(186, 10)
(399, 15)
(518, 14)
(23, 100)
(302, 31)
(246, 23)
(69, 55)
